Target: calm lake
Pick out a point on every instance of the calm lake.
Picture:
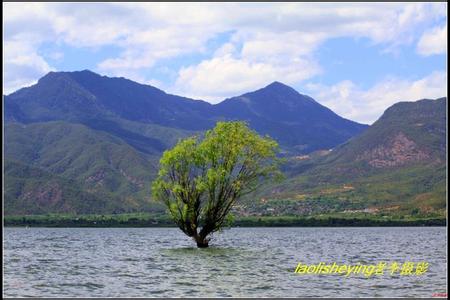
(161, 262)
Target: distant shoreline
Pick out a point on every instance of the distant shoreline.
(149, 221)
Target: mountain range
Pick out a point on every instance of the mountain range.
(78, 142)
(113, 105)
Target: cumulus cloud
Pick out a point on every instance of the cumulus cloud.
(433, 41)
(226, 75)
(283, 48)
(22, 66)
(366, 106)
(270, 41)
(144, 49)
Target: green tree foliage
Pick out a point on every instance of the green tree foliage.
(200, 179)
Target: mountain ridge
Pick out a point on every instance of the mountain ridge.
(86, 97)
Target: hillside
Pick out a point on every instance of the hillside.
(398, 165)
(100, 166)
(30, 190)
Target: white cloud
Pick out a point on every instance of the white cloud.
(433, 41)
(270, 40)
(225, 49)
(366, 106)
(222, 76)
(269, 46)
(22, 66)
(143, 49)
(283, 48)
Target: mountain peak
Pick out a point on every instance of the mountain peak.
(280, 93)
(51, 75)
(67, 75)
(283, 90)
(276, 85)
(85, 72)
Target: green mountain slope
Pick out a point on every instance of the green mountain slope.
(96, 162)
(30, 190)
(398, 165)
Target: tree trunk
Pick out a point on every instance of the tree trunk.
(201, 242)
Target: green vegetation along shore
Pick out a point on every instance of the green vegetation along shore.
(161, 220)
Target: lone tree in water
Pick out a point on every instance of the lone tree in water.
(200, 179)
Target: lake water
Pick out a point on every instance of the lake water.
(252, 262)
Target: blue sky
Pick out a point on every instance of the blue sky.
(367, 64)
(355, 58)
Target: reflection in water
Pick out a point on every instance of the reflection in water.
(161, 262)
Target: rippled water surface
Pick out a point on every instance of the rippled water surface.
(161, 262)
